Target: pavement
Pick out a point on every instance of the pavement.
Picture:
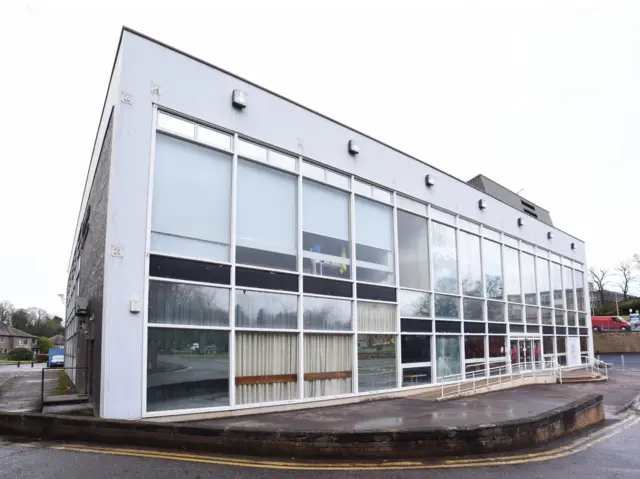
(20, 386)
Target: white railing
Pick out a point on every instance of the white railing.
(599, 367)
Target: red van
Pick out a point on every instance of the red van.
(610, 323)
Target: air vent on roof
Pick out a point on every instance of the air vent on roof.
(528, 205)
(530, 213)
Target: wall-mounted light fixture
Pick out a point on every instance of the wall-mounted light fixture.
(573, 246)
(239, 99)
(482, 204)
(520, 222)
(428, 180)
(549, 235)
(354, 149)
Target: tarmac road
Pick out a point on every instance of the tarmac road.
(606, 452)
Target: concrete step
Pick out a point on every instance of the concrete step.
(65, 399)
(69, 409)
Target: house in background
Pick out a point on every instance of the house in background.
(11, 338)
(57, 340)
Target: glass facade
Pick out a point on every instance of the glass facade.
(321, 285)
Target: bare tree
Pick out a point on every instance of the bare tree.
(600, 280)
(6, 310)
(627, 276)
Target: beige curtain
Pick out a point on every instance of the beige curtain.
(327, 354)
(266, 354)
(376, 317)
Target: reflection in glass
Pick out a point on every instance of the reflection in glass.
(496, 346)
(325, 314)
(582, 319)
(492, 262)
(414, 304)
(325, 231)
(416, 349)
(376, 362)
(495, 311)
(571, 318)
(561, 344)
(266, 367)
(512, 275)
(473, 309)
(568, 288)
(376, 317)
(515, 313)
(416, 376)
(413, 251)
(255, 309)
(529, 278)
(559, 318)
(444, 258)
(446, 306)
(470, 268)
(532, 314)
(374, 242)
(448, 365)
(546, 316)
(542, 270)
(578, 277)
(547, 345)
(556, 283)
(187, 369)
(177, 303)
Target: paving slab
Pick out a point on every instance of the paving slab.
(415, 412)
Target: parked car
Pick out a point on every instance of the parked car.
(610, 323)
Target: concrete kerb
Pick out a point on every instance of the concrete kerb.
(320, 444)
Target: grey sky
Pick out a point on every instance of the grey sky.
(536, 95)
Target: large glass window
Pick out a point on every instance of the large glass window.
(568, 287)
(414, 304)
(376, 362)
(374, 242)
(473, 309)
(529, 278)
(474, 347)
(492, 258)
(177, 303)
(515, 313)
(255, 309)
(327, 314)
(413, 251)
(578, 277)
(445, 264)
(512, 275)
(266, 219)
(447, 306)
(328, 364)
(376, 317)
(266, 367)
(191, 212)
(416, 349)
(542, 271)
(187, 369)
(495, 311)
(448, 365)
(470, 267)
(325, 231)
(497, 346)
(556, 283)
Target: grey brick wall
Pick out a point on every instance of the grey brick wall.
(92, 273)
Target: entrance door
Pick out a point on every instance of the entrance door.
(573, 351)
(526, 355)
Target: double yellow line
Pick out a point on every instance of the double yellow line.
(501, 460)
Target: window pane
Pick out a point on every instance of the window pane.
(416, 376)
(448, 364)
(446, 306)
(376, 362)
(544, 287)
(327, 314)
(328, 364)
(568, 287)
(560, 319)
(266, 367)
(251, 150)
(532, 315)
(578, 277)
(492, 259)
(547, 345)
(176, 303)
(470, 268)
(416, 325)
(561, 344)
(414, 304)
(416, 349)
(255, 309)
(325, 231)
(191, 212)
(203, 353)
(495, 311)
(413, 251)
(176, 125)
(444, 258)
(529, 278)
(376, 317)
(474, 347)
(571, 318)
(411, 205)
(374, 242)
(496, 346)
(473, 309)
(556, 282)
(266, 230)
(546, 316)
(512, 275)
(582, 320)
(214, 138)
(515, 313)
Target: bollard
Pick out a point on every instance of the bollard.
(622, 357)
(32, 364)
(18, 363)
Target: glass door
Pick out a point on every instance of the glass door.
(536, 352)
(526, 355)
(515, 355)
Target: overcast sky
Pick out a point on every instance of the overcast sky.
(539, 96)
